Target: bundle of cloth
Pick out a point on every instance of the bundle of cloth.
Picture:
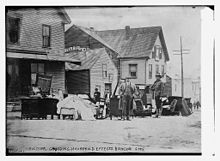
(84, 109)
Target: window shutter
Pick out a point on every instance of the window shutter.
(154, 53)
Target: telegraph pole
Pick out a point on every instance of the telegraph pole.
(182, 51)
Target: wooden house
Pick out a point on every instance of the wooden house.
(35, 45)
(97, 70)
(78, 38)
(142, 52)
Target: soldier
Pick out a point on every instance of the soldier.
(157, 88)
(127, 90)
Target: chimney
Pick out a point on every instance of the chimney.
(127, 32)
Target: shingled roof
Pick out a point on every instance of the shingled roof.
(139, 44)
(70, 33)
(88, 59)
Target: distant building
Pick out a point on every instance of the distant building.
(97, 70)
(35, 45)
(176, 86)
(196, 88)
(142, 52)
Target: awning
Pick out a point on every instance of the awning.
(47, 57)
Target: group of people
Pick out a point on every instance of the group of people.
(128, 91)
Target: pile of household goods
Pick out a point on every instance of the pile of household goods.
(76, 108)
(175, 105)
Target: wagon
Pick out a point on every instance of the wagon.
(178, 106)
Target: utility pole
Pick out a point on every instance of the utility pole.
(182, 51)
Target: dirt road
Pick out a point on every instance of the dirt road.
(166, 134)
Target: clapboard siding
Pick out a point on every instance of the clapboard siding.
(57, 70)
(140, 79)
(31, 30)
(96, 77)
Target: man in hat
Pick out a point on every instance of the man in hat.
(127, 90)
(157, 88)
(97, 95)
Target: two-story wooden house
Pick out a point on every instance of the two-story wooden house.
(143, 52)
(35, 44)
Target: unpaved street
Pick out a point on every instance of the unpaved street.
(166, 134)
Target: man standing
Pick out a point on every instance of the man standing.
(127, 90)
(157, 88)
(97, 95)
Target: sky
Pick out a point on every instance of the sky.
(175, 22)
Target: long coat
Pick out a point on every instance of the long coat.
(122, 89)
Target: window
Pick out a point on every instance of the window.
(13, 28)
(110, 77)
(150, 71)
(104, 71)
(157, 69)
(162, 70)
(133, 70)
(46, 35)
(157, 52)
(36, 68)
(160, 53)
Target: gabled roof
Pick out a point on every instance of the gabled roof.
(90, 33)
(139, 44)
(87, 61)
(61, 11)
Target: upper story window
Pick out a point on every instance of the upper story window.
(46, 34)
(162, 70)
(157, 69)
(13, 30)
(160, 53)
(104, 71)
(150, 71)
(157, 53)
(133, 70)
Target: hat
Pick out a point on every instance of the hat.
(158, 75)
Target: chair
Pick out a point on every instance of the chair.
(44, 82)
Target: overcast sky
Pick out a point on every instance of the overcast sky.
(175, 21)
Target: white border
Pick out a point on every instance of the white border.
(209, 139)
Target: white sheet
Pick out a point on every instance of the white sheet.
(80, 105)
